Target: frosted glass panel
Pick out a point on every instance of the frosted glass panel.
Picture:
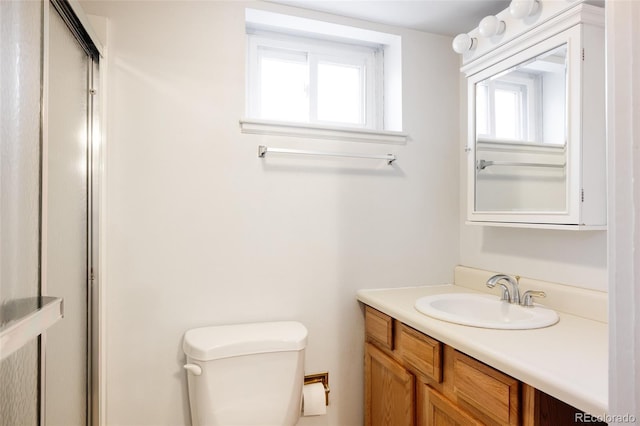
(20, 70)
(19, 380)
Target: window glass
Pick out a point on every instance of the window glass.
(284, 82)
(340, 93)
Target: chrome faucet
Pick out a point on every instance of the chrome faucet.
(512, 296)
(491, 283)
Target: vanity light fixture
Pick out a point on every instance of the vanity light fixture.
(520, 9)
(464, 43)
(491, 26)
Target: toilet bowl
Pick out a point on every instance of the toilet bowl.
(245, 374)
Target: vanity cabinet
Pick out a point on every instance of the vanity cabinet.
(536, 148)
(412, 379)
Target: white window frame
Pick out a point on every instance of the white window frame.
(389, 110)
(368, 58)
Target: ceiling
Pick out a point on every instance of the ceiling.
(447, 17)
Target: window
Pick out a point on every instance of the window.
(330, 80)
(313, 81)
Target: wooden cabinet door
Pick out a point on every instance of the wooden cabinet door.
(439, 411)
(389, 391)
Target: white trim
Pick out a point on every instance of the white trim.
(623, 48)
(270, 20)
(539, 226)
(317, 131)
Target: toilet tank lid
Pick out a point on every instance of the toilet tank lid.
(224, 341)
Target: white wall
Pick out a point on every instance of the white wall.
(201, 232)
(567, 257)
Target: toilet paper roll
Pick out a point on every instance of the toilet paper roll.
(313, 400)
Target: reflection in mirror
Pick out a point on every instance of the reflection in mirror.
(521, 117)
(526, 103)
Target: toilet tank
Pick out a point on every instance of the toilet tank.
(246, 374)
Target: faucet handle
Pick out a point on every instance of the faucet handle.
(527, 297)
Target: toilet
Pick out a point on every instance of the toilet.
(245, 374)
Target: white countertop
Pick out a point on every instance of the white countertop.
(568, 360)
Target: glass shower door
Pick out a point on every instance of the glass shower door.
(20, 111)
(65, 229)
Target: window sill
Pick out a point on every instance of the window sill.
(268, 127)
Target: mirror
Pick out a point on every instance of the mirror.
(521, 137)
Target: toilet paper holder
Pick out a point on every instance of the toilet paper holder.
(319, 378)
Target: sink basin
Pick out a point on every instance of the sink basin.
(485, 311)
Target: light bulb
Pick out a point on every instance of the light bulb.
(520, 9)
(491, 26)
(463, 43)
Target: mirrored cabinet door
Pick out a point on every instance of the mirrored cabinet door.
(520, 145)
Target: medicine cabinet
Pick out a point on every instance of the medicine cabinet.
(536, 150)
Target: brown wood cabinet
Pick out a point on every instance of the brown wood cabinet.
(412, 379)
(389, 392)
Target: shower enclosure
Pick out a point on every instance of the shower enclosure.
(49, 150)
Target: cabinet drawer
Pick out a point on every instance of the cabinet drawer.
(485, 392)
(379, 327)
(421, 352)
